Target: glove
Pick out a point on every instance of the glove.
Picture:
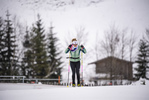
(82, 47)
(69, 47)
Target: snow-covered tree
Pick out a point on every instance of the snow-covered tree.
(2, 46)
(54, 58)
(26, 64)
(142, 60)
(8, 48)
(38, 49)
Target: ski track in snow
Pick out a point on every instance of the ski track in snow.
(49, 92)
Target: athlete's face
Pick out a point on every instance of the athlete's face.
(75, 45)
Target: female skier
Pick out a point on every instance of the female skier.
(75, 50)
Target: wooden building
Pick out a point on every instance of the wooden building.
(114, 69)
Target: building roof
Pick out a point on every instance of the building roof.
(110, 57)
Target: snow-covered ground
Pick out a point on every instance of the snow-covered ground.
(49, 92)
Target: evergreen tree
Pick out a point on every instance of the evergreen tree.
(9, 62)
(38, 49)
(26, 65)
(2, 46)
(147, 41)
(54, 58)
(142, 60)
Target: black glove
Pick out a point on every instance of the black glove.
(82, 46)
(69, 46)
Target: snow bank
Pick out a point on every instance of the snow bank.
(141, 82)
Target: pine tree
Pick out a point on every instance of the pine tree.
(2, 46)
(26, 65)
(38, 49)
(147, 41)
(54, 58)
(142, 60)
(9, 61)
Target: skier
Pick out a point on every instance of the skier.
(75, 50)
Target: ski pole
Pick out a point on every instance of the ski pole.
(68, 71)
(82, 66)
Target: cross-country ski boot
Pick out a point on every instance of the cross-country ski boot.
(79, 85)
(73, 85)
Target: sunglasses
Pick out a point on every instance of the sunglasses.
(74, 42)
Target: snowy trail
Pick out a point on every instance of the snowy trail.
(21, 86)
(45, 92)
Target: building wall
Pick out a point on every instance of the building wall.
(118, 68)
